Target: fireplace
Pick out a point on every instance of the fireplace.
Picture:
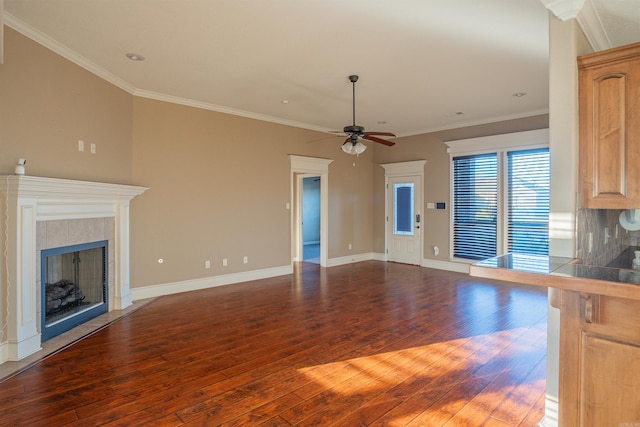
(74, 286)
(39, 214)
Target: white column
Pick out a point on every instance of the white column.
(564, 9)
(23, 337)
(566, 42)
(123, 297)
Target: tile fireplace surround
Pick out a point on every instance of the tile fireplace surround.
(41, 213)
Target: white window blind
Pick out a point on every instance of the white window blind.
(528, 202)
(489, 219)
(475, 211)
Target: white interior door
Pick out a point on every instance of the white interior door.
(404, 220)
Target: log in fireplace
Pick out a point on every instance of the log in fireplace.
(74, 286)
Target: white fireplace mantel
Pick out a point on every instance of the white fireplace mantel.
(29, 199)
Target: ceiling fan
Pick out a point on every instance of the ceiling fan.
(352, 144)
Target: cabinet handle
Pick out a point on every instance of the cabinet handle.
(588, 310)
(591, 310)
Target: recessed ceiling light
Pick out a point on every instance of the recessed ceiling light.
(519, 94)
(135, 56)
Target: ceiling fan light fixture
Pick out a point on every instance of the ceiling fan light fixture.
(354, 149)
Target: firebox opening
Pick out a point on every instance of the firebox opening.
(74, 286)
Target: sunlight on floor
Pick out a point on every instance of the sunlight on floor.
(440, 380)
(425, 361)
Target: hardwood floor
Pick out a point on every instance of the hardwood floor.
(367, 344)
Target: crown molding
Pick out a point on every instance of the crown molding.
(564, 9)
(51, 44)
(591, 24)
(46, 41)
(586, 15)
(226, 110)
(468, 123)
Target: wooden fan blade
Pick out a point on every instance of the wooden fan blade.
(378, 140)
(379, 133)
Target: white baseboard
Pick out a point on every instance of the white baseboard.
(4, 352)
(333, 262)
(459, 267)
(550, 412)
(153, 291)
(379, 257)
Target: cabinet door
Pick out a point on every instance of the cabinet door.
(599, 361)
(610, 133)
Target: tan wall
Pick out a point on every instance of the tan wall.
(219, 185)
(47, 104)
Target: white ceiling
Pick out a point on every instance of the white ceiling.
(424, 65)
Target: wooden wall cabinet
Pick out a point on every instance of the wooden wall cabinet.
(609, 109)
(599, 360)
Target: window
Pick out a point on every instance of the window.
(475, 206)
(528, 202)
(489, 218)
(403, 202)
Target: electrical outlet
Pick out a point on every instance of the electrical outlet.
(93, 148)
(349, 246)
(245, 259)
(224, 262)
(207, 264)
(80, 145)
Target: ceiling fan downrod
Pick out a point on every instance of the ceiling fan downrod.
(353, 79)
(354, 129)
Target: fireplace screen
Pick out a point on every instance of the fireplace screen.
(74, 286)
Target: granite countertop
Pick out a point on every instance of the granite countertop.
(562, 273)
(625, 259)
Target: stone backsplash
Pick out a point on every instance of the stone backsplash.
(608, 238)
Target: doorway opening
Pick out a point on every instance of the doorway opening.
(311, 219)
(309, 167)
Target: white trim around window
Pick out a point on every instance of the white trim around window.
(538, 138)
